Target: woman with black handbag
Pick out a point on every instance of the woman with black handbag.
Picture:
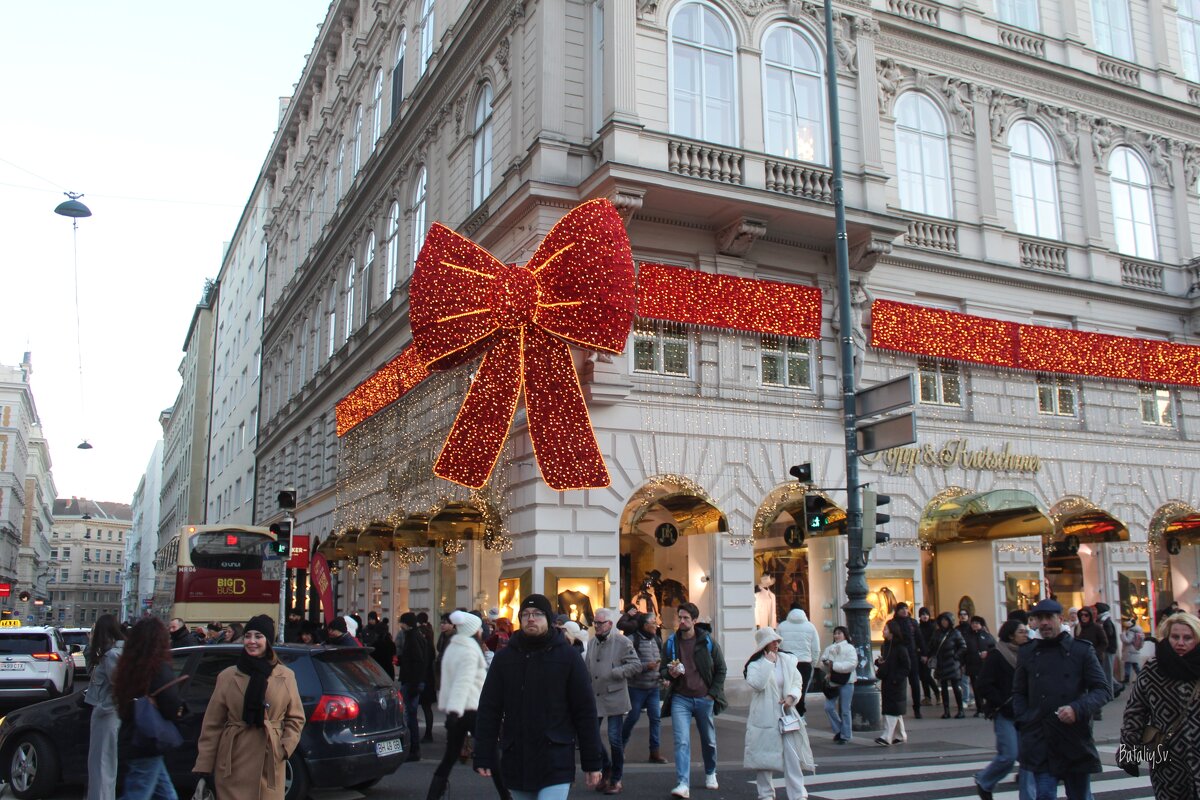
(946, 652)
(841, 659)
(253, 721)
(144, 670)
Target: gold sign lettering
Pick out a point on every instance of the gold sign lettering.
(231, 586)
(954, 453)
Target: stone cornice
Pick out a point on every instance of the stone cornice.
(994, 65)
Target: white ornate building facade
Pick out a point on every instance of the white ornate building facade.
(1010, 166)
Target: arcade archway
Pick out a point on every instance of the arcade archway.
(1174, 538)
(1073, 568)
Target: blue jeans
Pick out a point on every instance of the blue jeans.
(683, 711)
(648, 699)
(1134, 667)
(147, 779)
(556, 792)
(1006, 754)
(842, 720)
(1077, 784)
(412, 703)
(613, 764)
(964, 683)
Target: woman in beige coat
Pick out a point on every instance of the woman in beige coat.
(252, 723)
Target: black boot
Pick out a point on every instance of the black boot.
(437, 788)
(946, 711)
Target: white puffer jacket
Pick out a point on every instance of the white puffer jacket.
(842, 656)
(799, 637)
(463, 671)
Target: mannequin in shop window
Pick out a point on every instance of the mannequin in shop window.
(645, 600)
(673, 593)
(577, 606)
(764, 603)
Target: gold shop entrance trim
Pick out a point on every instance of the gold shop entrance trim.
(954, 453)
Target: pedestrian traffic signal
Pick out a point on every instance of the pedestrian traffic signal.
(802, 472)
(283, 538)
(872, 519)
(822, 516)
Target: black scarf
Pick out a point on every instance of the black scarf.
(254, 705)
(1177, 667)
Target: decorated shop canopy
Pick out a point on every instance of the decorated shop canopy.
(691, 507)
(1078, 520)
(1174, 525)
(578, 290)
(958, 515)
(979, 340)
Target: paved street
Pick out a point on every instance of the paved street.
(936, 764)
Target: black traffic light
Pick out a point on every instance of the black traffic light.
(283, 538)
(287, 498)
(802, 472)
(872, 519)
(814, 517)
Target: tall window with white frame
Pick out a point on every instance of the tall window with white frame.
(481, 183)
(662, 348)
(418, 212)
(786, 361)
(940, 383)
(1111, 28)
(351, 276)
(428, 22)
(367, 274)
(922, 156)
(376, 108)
(339, 170)
(702, 75)
(1157, 406)
(794, 99)
(1034, 181)
(398, 73)
(332, 332)
(1020, 13)
(312, 213)
(393, 246)
(1189, 38)
(1056, 395)
(358, 137)
(1132, 204)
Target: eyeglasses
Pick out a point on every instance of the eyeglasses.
(532, 613)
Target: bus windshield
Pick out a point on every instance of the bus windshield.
(228, 550)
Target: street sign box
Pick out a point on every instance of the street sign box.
(272, 570)
(887, 433)
(884, 397)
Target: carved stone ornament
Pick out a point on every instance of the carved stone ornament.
(952, 88)
(736, 238)
(797, 9)
(843, 42)
(460, 107)
(1002, 106)
(1158, 148)
(1065, 124)
(888, 76)
(1102, 140)
(503, 51)
(627, 202)
(754, 7)
(646, 9)
(1191, 165)
(865, 255)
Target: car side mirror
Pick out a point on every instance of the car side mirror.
(76, 649)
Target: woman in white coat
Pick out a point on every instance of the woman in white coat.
(841, 659)
(776, 682)
(463, 669)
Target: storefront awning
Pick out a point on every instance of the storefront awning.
(456, 521)
(1078, 520)
(691, 513)
(1174, 525)
(333, 548)
(983, 516)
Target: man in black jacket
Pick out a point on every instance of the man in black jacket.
(912, 641)
(414, 670)
(180, 635)
(538, 696)
(1058, 688)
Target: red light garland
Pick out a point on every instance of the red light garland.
(386, 386)
(963, 337)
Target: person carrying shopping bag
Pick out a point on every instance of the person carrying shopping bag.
(776, 734)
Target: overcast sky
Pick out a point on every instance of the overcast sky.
(161, 114)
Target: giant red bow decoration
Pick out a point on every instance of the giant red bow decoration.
(577, 288)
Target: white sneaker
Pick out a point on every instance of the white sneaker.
(681, 791)
(710, 782)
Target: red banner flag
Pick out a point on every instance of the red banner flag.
(319, 573)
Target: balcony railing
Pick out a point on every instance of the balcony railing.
(1141, 274)
(1023, 41)
(800, 180)
(1044, 256)
(931, 235)
(1119, 71)
(704, 161)
(916, 11)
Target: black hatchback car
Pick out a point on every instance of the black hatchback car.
(354, 737)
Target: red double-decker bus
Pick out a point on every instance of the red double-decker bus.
(213, 573)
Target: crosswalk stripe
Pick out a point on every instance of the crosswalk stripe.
(894, 772)
(963, 783)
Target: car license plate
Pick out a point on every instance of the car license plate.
(16, 665)
(389, 747)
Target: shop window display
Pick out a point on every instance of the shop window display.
(1064, 579)
(783, 575)
(578, 596)
(511, 590)
(885, 590)
(654, 573)
(1022, 590)
(1134, 591)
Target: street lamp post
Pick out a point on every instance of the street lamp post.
(866, 705)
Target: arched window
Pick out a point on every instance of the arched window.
(393, 246)
(338, 170)
(1034, 184)
(357, 144)
(332, 332)
(1189, 38)
(922, 156)
(481, 185)
(1133, 205)
(1110, 26)
(376, 108)
(418, 213)
(368, 267)
(794, 100)
(350, 276)
(398, 73)
(702, 75)
(427, 25)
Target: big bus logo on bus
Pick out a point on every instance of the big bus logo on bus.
(236, 586)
